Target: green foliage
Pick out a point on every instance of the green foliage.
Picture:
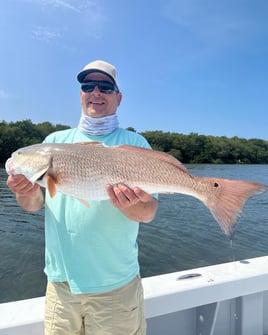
(192, 148)
(131, 129)
(20, 134)
(195, 148)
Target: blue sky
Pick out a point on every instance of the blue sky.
(183, 65)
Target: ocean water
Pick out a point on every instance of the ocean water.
(184, 235)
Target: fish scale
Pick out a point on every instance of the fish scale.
(83, 170)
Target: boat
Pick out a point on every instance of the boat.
(223, 299)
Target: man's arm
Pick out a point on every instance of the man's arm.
(135, 204)
(30, 197)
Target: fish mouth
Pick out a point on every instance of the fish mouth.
(9, 167)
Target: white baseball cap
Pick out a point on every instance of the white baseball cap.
(98, 66)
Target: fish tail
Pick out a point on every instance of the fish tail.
(228, 199)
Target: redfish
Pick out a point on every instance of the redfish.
(83, 170)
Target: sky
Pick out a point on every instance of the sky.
(184, 66)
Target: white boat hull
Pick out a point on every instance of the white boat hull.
(230, 298)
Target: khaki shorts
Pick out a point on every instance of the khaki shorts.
(117, 312)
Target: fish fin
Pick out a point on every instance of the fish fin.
(51, 186)
(84, 202)
(153, 154)
(229, 199)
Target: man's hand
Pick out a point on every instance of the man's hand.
(21, 185)
(30, 197)
(122, 196)
(134, 203)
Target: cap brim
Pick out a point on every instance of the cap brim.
(81, 75)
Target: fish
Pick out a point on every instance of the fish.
(82, 170)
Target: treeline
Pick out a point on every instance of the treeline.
(15, 135)
(192, 148)
(195, 148)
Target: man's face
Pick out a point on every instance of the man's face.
(98, 104)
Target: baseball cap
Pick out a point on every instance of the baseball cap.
(98, 66)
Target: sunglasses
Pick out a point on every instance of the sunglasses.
(104, 86)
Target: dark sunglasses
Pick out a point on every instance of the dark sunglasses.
(104, 86)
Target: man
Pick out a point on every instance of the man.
(92, 266)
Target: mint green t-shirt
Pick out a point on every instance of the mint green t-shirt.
(93, 249)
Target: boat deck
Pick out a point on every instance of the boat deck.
(224, 299)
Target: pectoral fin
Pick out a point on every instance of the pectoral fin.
(51, 186)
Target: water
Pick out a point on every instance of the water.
(183, 235)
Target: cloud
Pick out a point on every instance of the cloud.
(63, 18)
(60, 4)
(76, 6)
(45, 34)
